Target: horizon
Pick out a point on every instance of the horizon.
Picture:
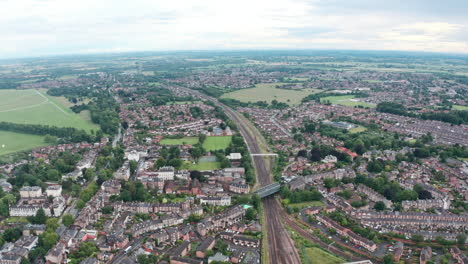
(225, 52)
(33, 28)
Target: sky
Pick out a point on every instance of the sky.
(55, 27)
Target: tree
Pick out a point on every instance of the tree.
(12, 234)
(161, 162)
(417, 238)
(461, 239)
(107, 209)
(67, 219)
(40, 218)
(133, 166)
(379, 206)
(251, 214)
(52, 224)
(388, 259)
(175, 162)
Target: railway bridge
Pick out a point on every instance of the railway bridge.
(268, 190)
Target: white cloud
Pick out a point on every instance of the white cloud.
(41, 27)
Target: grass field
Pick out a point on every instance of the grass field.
(268, 92)
(36, 107)
(201, 166)
(346, 100)
(13, 142)
(179, 141)
(215, 143)
(459, 107)
(317, 256)
(357, 129)
(302, 205)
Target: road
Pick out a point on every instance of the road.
(281, 246)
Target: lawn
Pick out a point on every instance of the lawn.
(318, 256)
(459, 107)
(202, 166)
(13, 142)
(215, 143)
(303, 204)
(16, 219)
(36, 107)
(268, 92)
(179, 141)
(357, 129)
(346, 100)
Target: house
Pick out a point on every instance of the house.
(205, 245)
(426, 255)
(297, 183)
(181, 260)
(216, 200)
(30, 192)
(56, 254)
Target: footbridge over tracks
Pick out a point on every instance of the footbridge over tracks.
(268, 190)
(264, 154)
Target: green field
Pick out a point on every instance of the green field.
(13, 142)
(302, 205)
(215, 143)
(268, 92)
(459, 107)
(357, 129)
(318, 256)
(346, 100)
(179, 141)
(36, 107)
(201, 166)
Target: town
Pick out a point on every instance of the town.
(360, 165)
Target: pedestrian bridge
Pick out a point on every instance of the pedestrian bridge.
(264, 154)
(268, 190)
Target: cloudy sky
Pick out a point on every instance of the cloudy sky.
(50, 27)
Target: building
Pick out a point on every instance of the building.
(56, 254)
(216, 200)
(205, 245)
(30, 192)
(54, 190)
(166, 173)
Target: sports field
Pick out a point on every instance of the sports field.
(36, 107)
(202, 166)
(268, 92)
(215, 143)
(179, 141)
(346, 100)
(13, 142)
(459, 107)
(210, 144)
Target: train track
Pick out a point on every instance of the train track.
(307, 235)
(280, 245)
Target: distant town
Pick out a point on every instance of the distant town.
(268, 157)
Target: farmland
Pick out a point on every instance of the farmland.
(346, 100)
(35, 107)
(268, 92)
(13, 142)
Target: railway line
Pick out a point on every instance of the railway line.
(280, 245)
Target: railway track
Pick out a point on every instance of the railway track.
(280, 245)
